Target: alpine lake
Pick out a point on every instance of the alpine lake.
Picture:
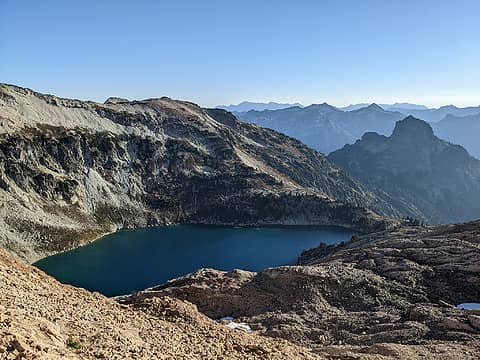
(132, 260)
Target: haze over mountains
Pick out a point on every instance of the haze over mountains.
(420, 111)
(324, 127)
(464, 130)
(327, 128)
(259, 106)
(391, 107)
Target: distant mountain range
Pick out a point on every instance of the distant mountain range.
(423, 175)
(391, 107)
(421, 111)
(324, 127)
(411, 168)
(327, 128)
(435, 115)
(258, 106)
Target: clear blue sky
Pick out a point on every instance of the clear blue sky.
(214, 52)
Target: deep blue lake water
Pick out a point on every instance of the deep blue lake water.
(133, 260)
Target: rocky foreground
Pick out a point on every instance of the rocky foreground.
(390, 293)
(43, 319)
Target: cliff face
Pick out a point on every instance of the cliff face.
(71, 170)
(426, 177)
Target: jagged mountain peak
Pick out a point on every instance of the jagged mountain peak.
(448, 107)
(375, 107)
(371, 136)
(411, 126)
(372, 108)
(325, 127)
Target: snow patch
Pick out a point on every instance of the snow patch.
(228, 321)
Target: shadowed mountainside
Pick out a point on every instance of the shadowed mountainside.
(463, 130)
(435, 180)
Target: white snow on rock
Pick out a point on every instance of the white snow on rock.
(240, 326)
(228, 321)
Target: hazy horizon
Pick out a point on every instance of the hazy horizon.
(213, 52)
(366, 103)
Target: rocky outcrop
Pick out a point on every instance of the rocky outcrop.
(393, 287)
(424, 176)
(72, 170)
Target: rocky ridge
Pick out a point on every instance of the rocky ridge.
(72, 170)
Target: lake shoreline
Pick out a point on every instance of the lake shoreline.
(135, 259)
(193, 223)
